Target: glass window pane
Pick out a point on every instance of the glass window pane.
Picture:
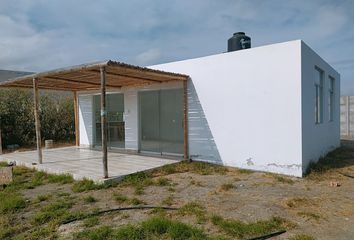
(171, 121)
(161, 121)
(116, 126)
(149, 121)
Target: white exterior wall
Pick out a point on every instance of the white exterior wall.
(85, 120)
(131, 119)
(251, 100)
(318, 139)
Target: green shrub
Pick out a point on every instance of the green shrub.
(17, 118)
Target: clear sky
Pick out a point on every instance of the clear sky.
(38, 35)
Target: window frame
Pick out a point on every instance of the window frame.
(319, 86)
(331, 96)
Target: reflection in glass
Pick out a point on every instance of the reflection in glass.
(116, 126)
(161, 121)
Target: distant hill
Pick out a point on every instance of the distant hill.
(9, 74)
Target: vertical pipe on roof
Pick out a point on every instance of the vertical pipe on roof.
(104, 121)
(36, 118)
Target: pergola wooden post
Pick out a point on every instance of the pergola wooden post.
(37, 121)
(76, 114)
(185, 119)
(104, 121)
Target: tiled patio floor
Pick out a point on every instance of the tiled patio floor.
(85, 163)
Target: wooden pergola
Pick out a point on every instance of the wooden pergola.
(95, 76)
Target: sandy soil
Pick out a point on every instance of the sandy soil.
(311, 204)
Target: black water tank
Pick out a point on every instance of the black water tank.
(238, 41)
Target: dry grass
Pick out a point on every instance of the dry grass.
(301, 237)
(226, 187)
(341, 159)
(241, 229)
(47, 205)
(168, 201)
(310, 215)
(298, 202)
(192, 167)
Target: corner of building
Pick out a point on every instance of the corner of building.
(318, 138)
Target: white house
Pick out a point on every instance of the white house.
(273, 108)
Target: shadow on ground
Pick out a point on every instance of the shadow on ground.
(341, 159)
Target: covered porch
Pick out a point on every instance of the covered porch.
(86, 163)
(102, 76)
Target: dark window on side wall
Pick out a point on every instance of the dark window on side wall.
(319, 95)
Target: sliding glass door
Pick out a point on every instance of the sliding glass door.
(161, 121)
(116, 126)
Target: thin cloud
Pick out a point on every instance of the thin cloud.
(41, 35)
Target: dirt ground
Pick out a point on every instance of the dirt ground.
(311, 205)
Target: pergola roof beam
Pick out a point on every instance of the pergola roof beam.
(127, 76)
(60, 79)
(45, 88)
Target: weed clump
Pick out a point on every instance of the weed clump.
(90, 199)
(53, 211)
(301, 237)
(11, 202)
(85, 185)
(60, 178)
(154, 228)
(298, 202)
(194, 208)
(226, 187)
(241, 230)
(200, 168)
(91, 221)
(120, 198)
